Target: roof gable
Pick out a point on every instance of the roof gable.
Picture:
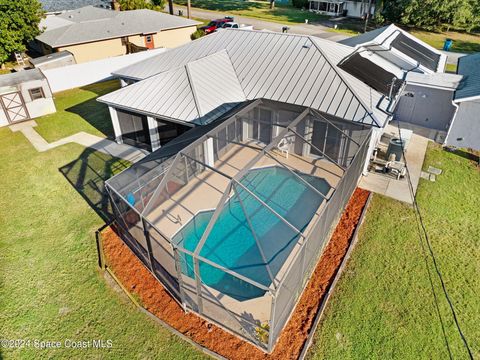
(184, 93)
(283, 67)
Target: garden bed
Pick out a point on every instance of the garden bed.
(137, 279)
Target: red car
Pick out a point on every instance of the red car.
(214, 24)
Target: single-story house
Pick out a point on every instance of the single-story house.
(53, 60)
(426, 99)
(92, 33)
(464, 131)
(24, 95)
(263, 110)
(350, 8)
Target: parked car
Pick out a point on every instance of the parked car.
(214, 24)
(234, 25)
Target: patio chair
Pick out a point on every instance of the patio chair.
(397, 168)
(284, 146)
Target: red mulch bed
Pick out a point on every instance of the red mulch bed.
(137, 279)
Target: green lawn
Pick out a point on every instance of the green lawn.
(77, 110)
(383, 307)
(462, 42)
(50, 287)
(257, 9)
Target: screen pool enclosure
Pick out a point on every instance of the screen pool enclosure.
(232, 217)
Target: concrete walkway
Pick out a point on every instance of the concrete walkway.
(259, 24)
(109, 147)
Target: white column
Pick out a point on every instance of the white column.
(208, 150)
(116, 124)
(153, 130)
(374, 140)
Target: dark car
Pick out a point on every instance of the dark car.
(214, 24)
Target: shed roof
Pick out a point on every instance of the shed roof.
(469, 67)
(64, 54)
(289, 68)
(400, 48)
(90, 23)
(21, 77)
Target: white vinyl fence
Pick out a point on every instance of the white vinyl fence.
(72, 76)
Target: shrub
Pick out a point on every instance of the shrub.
(300, 3)
(197, 34)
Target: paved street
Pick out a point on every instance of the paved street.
(258, 24)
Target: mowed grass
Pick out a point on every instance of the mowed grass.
(50, 286)
(462, 42)
(78, 110)
(383, 307)
(282, 13)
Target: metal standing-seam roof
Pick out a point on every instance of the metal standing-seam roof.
(289, 68)
(90, 23)
(187, 93)
(469, 67)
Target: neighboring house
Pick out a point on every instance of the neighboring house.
(202, 81)
(465, 128)
(92, 33)
(355, 9)
(24, 95)
(53, 60)
(61, 5)
(427, 95)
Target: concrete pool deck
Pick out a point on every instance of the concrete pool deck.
(204, 190)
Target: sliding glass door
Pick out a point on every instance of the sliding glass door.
(262, 125)
(327, 140)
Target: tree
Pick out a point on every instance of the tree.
(432, 14)
(19, 20)
(141, 4)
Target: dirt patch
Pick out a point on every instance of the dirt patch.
(139, 281)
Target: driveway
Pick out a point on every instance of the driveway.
(317, 30)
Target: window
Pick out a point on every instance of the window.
(36, 93)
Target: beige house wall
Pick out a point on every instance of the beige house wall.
(113, 47)
(173, 38)
(96, 50)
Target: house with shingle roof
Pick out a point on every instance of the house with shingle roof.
(93, 33)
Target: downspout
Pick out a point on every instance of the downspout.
(457, 107)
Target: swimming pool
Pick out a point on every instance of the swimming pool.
(231, 242)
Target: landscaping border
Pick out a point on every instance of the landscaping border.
(331, 288)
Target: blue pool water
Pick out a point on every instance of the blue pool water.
(231, 242)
